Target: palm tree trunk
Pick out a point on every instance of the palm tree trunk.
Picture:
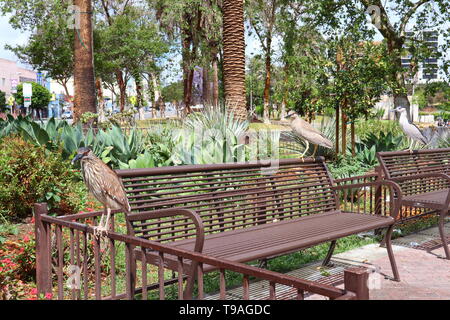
(83, 71)
(234, 57)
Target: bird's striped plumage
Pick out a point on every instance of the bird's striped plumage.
(104, 184)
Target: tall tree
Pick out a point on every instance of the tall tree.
(392, 19)
(262, 16)
(234, 57)
(50, 49)
(31, 15)
(83, 71)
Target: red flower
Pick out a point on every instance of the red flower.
(33, 291)
(26, 239)
(32, 219)
(48, 296)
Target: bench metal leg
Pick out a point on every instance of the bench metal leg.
(192, 276)
(442, 233)
(388, 243)
(326, 261)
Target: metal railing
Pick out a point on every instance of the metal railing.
(73, 264)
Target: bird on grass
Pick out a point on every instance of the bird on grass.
(410, 129)
(308, 133)
(105, 186)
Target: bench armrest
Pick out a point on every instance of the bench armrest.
(163, 213)
(395, 190)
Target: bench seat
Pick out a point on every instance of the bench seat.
(427, 199)
(418, 171)
(278, 238)
(243, 212)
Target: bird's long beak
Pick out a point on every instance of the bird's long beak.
(76, 158)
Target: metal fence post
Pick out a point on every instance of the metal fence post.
(355, 280)
(378, 191)
(43, 262)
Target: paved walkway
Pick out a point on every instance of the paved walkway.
(423, 272)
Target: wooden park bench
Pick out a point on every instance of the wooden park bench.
(424, 179)
(244, 212)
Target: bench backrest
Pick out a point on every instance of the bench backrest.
(227, 196)
(398, 164)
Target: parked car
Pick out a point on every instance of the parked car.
(66, 115)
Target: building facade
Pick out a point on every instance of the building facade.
(11, 75)
(427, 69)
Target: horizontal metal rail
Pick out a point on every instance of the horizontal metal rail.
(89, 256)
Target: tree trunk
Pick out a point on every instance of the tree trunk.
(266, 94)
(205, 87)
(66, 89)
(215, 81)
(337, 130)
(344, 128)
(101, 101)
(234, 57)
(352, 133)
(156, 92)
(83, 70)
(139, 96)
(122, 90)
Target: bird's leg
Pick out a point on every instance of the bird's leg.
(306, 150)
(315, 150)
(108, 215)
(100, 228)
(411, 145)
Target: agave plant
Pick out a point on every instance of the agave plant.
(383, 141)
(213, 136)
(367, 156)
(444, 140)
(118, 146)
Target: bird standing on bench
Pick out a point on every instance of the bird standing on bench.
(308, 133)
(105, 186)
(410, 129)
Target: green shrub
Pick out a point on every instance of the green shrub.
(345, 167)
(30, 174)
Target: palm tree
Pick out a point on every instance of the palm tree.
(234, 57)
(83, 70)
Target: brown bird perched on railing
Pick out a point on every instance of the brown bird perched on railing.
(104, 184)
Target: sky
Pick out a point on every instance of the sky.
(10, 36)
